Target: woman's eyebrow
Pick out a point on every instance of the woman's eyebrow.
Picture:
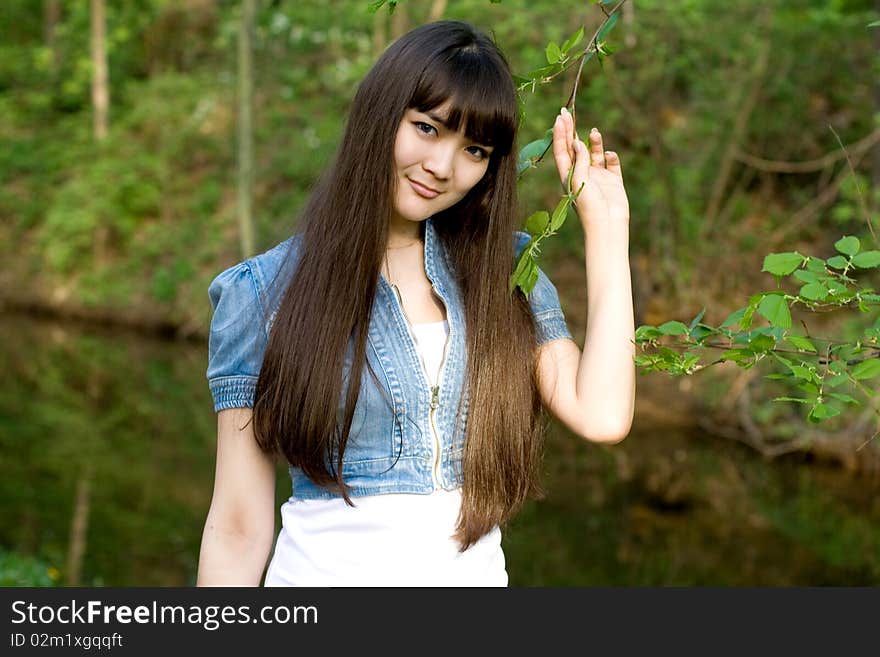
(443, 121)
(439, 119)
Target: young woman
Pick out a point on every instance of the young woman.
(380, 351)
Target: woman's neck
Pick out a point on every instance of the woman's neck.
(403, 233)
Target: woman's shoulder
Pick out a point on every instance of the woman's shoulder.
(259, 273)
(520, 239)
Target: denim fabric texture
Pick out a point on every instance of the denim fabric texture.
(390, 445)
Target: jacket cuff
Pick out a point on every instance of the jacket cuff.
(551, 325)
(233, 391)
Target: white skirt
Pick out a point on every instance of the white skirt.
(384, 540)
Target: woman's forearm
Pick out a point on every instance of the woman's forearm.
(609, 346)
(231, 558)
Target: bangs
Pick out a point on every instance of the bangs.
(480, 90)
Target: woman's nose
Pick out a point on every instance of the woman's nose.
(439, 161)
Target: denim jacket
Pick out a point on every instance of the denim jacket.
(391, 446)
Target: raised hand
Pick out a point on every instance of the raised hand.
(602, 199)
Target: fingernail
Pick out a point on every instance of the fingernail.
(563, 111)
(593, 130)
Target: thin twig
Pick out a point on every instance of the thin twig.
(856, 181)
(570, 103)
(807, 166)
(810, 209)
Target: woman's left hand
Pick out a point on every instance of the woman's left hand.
(602, 200)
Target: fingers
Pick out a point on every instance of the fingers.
(597, 150)
(581, 163)
(568, 121)
(569, 150)
(561, 152)
(612, 163)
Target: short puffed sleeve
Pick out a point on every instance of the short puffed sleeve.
(544, 301)
(237, 339)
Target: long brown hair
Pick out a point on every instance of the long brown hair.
(346, 221)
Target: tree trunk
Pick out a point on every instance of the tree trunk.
(100, 108)
(399, 21)
(438, 8)
(100, 83)
(873, 204)
(51, 18)
(629, 19)
(79, 526)
(380, 32)
(245, 133)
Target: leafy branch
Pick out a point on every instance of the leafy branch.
(543, 224)
(823, 284)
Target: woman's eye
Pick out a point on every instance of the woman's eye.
(421, 126)
(479, 152)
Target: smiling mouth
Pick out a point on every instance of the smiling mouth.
(421, 190)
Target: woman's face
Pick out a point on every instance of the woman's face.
(434, 166)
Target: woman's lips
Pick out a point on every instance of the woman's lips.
(421, 190)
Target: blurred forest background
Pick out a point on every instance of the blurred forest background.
(118, 205)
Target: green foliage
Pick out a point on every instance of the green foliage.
(812, 372)
(23, 570)
(525, 274)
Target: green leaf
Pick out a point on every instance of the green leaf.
(809, 388)
(701, 332)
(824, 411)
(673, 328)
(801, 343)
(814, 292)
(532, 276)
(782, 264)
(873, 24)
(774, 308)
(761, 343)
(846, 399)
(746, 321)
(782, 359)
(816, 265)
(801, 372)
(522, 265)
(529, 153)
(696, 319)
(737, 355)
(733, 318)
(867, 259)
(559, 214)
(836, 380)
(554, 54)
(573, 40)
(542, 72)
(806, 276)
(838, 262)
(609, 25)
(867, 369)
(537, 223)
(848, 245)
(646, 333)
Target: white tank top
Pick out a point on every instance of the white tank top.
(395, 539)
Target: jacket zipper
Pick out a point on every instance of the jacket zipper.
(435, 390)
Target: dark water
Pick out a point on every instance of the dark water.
(118, 430)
